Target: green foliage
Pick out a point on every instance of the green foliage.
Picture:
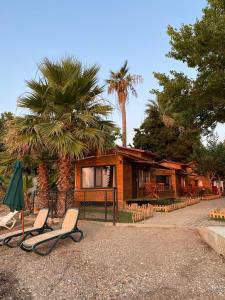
(201, 46)
(190, 107)
(168, 142)
(121, 82)
(68, 100)
(113, 135)
(4, 118)
(66, 115)
(210, 158)
(175, 100)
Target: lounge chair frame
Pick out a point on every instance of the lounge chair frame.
(56, 238)
(10, 223)
(32, 232)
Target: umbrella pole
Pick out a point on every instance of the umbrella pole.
(22, 216)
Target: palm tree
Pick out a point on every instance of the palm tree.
(121, 82)
(23, 140)
(76, 116)
(36, 103)
(164, 111)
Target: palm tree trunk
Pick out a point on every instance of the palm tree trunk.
(124, 123)
(64, 185)
(42, 177)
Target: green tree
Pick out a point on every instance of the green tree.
(201, 46)
(73, 115)
(121, 83)
(210, 158)
(3, 120)
(167, 140)
(23, 141)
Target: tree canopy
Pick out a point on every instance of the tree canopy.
(199, 101)
(210, 158)
(4, 117)
(189, 107)
(170, 142)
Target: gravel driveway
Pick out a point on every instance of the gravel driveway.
(117, 263)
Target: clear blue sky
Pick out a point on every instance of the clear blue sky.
(100, 31)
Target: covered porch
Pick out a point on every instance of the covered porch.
(147, 185)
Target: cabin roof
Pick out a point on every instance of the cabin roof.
(173, 164)
(127, 152)
(149, 153)
(152, 164)
(132, 158)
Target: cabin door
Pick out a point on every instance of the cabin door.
(134, 181)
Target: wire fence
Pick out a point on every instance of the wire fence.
(94, 204)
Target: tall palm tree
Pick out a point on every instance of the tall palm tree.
(75, 116)
(121, 82)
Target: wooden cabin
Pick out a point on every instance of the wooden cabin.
(127, 172)
(181, 176)
(132, 175)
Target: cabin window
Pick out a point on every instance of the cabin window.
(166, 180)
(143, 177)
(98, 177)
(200, 183)
(88, 177)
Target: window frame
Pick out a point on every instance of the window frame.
(169, 179)
(98, 187)
(146, 175)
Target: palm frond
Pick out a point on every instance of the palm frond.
(121, 82)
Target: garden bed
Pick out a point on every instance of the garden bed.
(175, 206)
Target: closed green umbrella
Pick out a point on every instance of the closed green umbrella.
(14, 197)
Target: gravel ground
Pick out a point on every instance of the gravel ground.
(117, 263)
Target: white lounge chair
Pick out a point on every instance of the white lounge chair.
(9, 220)
(40, 225)
(69, 229)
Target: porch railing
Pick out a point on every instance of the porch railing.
(101, 202)
(155, 189)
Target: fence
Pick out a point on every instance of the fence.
(157, 190)
(94, 204)
(140, 212)
(217, 213)
(97, 204)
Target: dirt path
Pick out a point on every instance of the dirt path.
(117, 263)
(190, 216)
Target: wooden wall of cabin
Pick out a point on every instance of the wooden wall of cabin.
(165, 172)
(127, 180)
(202, 181)
(97, 194)
(180, 183)
(206, 182)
